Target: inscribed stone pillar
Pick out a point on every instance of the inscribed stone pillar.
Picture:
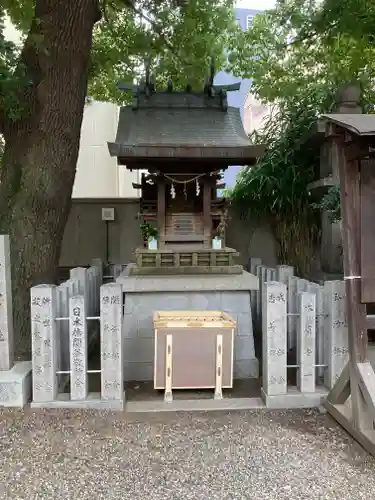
(336, 330)
(43, 337)
(6, 312)
(306, 342)
(274, 331)
(78, 349)
(111, 346)
(295, 286)
(317, 290)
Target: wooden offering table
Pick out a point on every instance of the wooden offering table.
(193, 350)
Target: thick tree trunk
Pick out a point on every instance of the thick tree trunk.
(41, 149)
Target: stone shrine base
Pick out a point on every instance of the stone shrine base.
(143, 295)
(294, 399)
(92, 402)
(15, 385)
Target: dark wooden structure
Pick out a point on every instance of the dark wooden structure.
(352, 400)
(184, 140)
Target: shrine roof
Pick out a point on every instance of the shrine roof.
(359, 124)
(182, 125)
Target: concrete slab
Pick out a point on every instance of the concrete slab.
(93, 402)
(195, 405)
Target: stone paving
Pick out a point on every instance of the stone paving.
(202, 456)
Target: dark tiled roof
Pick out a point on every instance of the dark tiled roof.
(181, 127)
(170, 124)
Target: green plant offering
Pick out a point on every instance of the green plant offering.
(148, 231)
(331, 203)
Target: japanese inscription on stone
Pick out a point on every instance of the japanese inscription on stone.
(336, 330)
(78, 348)
(6, 315)
(111, 311)
(43, 338)
(306, 342)
(275, 338)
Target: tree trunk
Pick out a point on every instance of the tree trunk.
(41, 149)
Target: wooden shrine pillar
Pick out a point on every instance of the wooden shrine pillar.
(161, 211)
(207, 220)
(352, 399)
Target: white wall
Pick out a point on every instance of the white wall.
(255, 114)
(98, 175)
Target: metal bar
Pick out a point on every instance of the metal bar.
(68, 372)
(89, 318)
(315, 366)
(323, 314)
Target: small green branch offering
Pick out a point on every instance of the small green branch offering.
(148, 231)
(331, 203)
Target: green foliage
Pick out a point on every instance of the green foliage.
(148, 231)
(178, 41)
(331, 203)
(177, 36)
(355, 18)
(299, 73)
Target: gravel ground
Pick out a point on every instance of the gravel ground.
(241, 455)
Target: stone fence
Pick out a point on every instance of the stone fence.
(65, 320)
(303, 324)
(77, 314)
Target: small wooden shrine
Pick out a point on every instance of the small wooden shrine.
(184, 140)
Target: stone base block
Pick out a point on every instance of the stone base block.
(15, 385)
(225, 404)
(295, 399)
(93, 402)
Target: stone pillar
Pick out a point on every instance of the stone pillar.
(80, 274)
(62, 296)
(254, 262)
(295, 286)
(306, 342)
(317, 290)
(78, 349)
(270, 274)
(43, 335)
(91, 279)
(284, 274)
(261, 273)
(111, 344)
(6, 311)
(98, 264)
(336, 330)
(274, 331)
(117, 270)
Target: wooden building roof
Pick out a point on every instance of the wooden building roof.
(182, 125)
(359, 124)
